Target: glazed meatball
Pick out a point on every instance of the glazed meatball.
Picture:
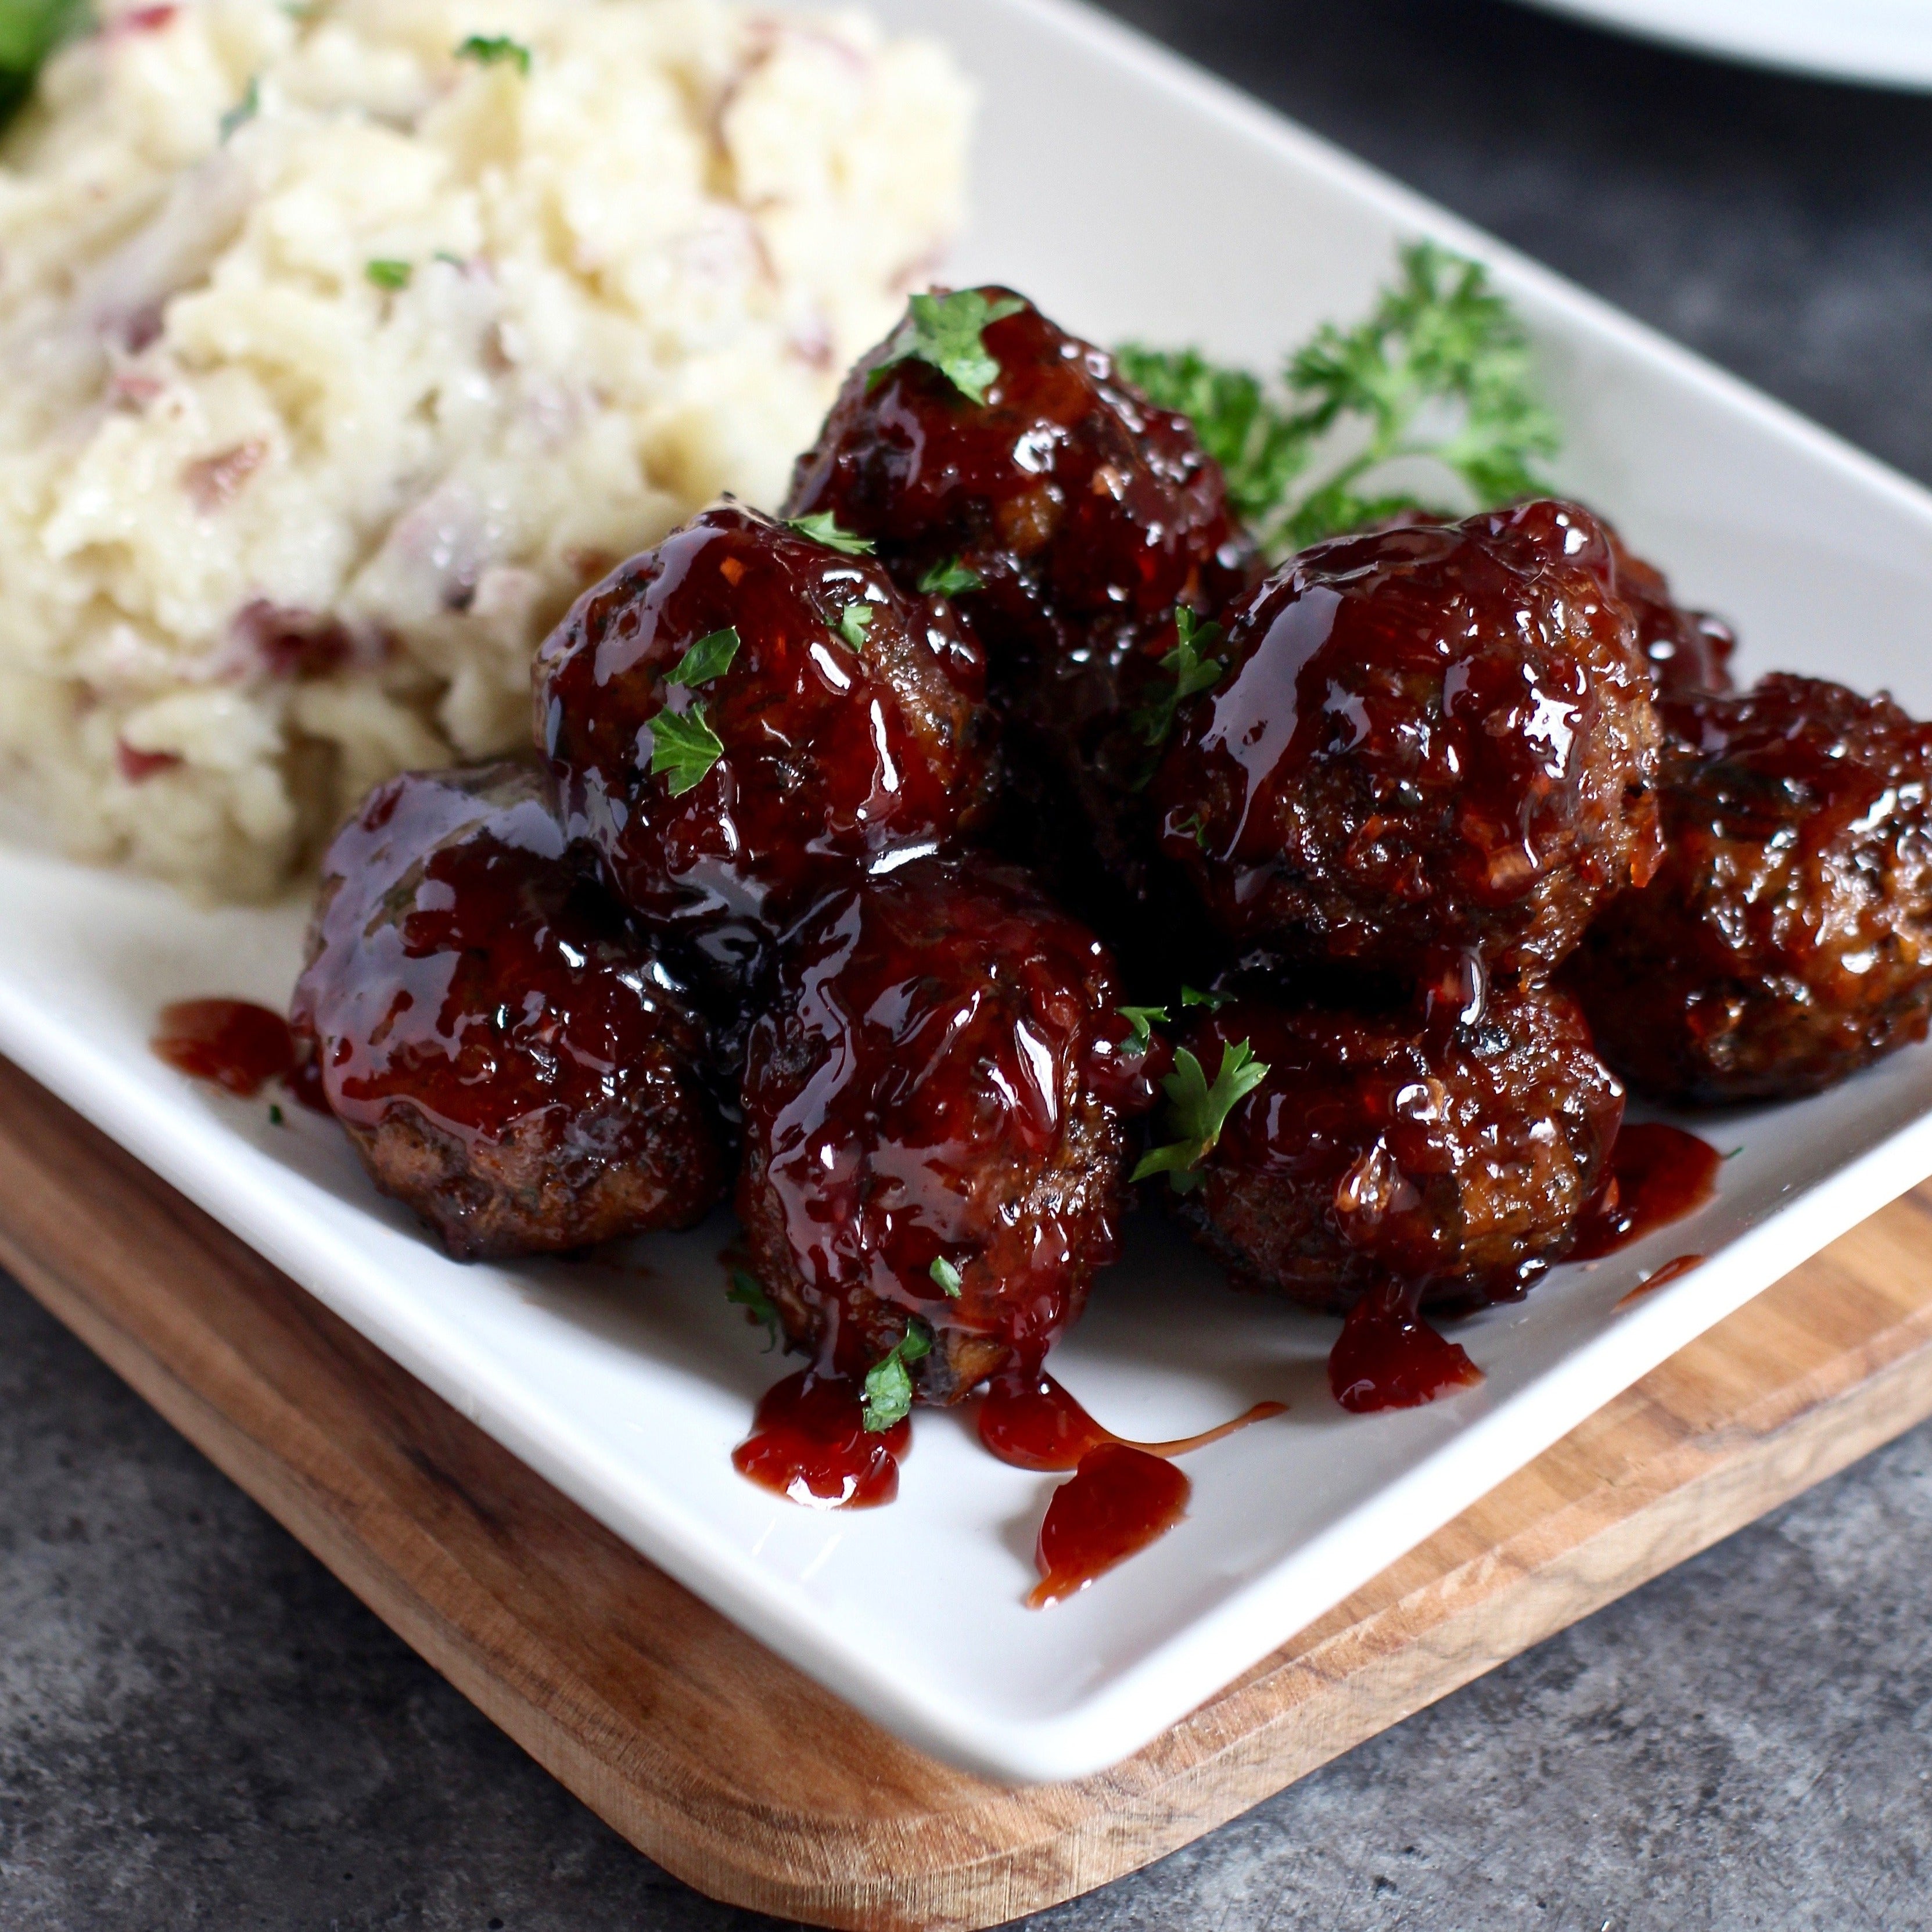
(1458, 1155)
(745, 717)
(1787, 939)
(933, 1123)
(1687, 650)
(1428, 739)
(1069, 516)
(508, 1055)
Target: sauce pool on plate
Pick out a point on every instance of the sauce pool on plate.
(235, 1043)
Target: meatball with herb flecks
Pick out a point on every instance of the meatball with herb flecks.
(1426, 739)
(1786, 941)
(506, 1051)
(1454, 1149)
(993, 457)
(934, 1124)
(752, 714)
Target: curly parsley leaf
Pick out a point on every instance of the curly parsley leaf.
(945, 1276)
(492, 50)
(1143, 1020)
(853, 622)
(1195, 669)
(710, 657)
(823, 529)
(386, 274)
(945, 331)
(888, 1386)
(951, 579)
(1198, 1112)
(683, 748)
(1438, 376)
(748, 1292)
(1192, 996)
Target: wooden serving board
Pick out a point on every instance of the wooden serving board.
(741, 1775)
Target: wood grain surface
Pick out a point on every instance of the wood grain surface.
(744, 1777)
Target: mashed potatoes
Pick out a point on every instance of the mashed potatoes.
(344, 342)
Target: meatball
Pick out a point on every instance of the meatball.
(1068, 518)
(1687, 650)
(507, 1054)
(934, 1111)
(1787, 939)
(747, 717)
(1457, 1154)
(1428, 739)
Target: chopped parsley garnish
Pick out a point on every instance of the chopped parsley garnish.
(823, 529)
(945, 331)
(29, 31)
(1192, 996)
(276, 1116)
(946, 1275)
(388, 275)
(710, 657)
(1192, 826)
(888, 1386)
(245, 109)
(1143, 1020)
(1440, 374)
(748, 1292)
(683, 748)
(1198, 1112)
(1195, 670)
(951, 579)
(489, 49)
(854, 622)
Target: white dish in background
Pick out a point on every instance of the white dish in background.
(1887, 41)
(1131, 196)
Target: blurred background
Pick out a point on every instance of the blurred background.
(203, 1729)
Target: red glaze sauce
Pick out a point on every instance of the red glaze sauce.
(1673, 1270)
(1387, 1357)
(1658, 1175)
(235, 1043)
(1119, 1500)
(1033, 1424)
(809, 1443)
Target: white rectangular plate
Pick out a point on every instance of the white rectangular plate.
(1131, 196)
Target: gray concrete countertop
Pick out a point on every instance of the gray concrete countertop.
(199, 1728)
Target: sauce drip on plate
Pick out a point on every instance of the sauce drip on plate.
(1673, 1270)
(1119, 1500)
(1658, 1175)
(1387, 1357)
(1031, 1422)
(809, 1443)
(237, 1044)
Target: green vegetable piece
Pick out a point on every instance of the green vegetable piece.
(388, 275)
(748, 1292)
(1143, 1020)
(1192, 996)
(947, 1276)
(30, 30)
(854, 623)
(951, 579)
(1194, 671)
(888, 1387)
(1198, 1112)
(945, 331)
(683, 748)
(488, 50)
(710, 657)
(276, 1116)
(245, 109)
(823, 529)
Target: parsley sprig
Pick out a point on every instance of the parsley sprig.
(1143, 1020)
(683, 748)
(946, 331)
(1438, 375)
(1197, 1111)
(823, 529)
(945, 1277)
(29, 31)
(854, 621)
(888, 1386)
(710, 657)
(1194, 667)
(491, 49)
(952, 578)
(748, 1292)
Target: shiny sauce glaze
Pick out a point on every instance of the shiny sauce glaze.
(1031, 1422)
(1673, 1270)
(1658, 1175)
(1119, 1500)
(1387, 1357)
(809, 1443)
(234, 1043)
